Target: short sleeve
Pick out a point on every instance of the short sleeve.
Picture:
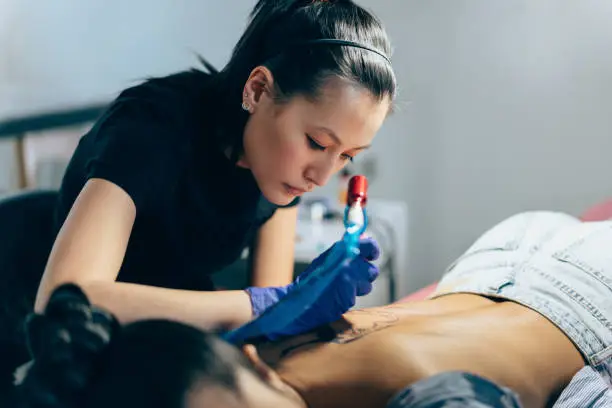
(135, 146)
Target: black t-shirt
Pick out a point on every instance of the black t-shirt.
(195, 210)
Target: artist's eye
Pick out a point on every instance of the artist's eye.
(313, 143)
(316, 146)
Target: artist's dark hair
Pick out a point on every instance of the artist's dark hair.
(82, 358)
(281, 35)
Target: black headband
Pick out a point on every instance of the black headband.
(347, 43)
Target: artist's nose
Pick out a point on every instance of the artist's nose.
(318, 173)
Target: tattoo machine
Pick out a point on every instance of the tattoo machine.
(307, 291)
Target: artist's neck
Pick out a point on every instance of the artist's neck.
(241, 160)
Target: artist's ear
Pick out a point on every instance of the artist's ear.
(258, 88)
(265, 371)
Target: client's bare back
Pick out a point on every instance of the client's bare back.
(364, 359)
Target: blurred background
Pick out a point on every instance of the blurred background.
(504, 105)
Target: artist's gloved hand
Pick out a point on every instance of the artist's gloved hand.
(355, 280)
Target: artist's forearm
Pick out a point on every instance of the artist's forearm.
(205, 310)
(272, 275)
(273, 251)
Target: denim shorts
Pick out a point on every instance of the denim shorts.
(552, 263)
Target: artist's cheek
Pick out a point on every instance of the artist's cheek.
(292, 153)
(259, 140)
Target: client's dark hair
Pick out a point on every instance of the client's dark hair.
(82, 358)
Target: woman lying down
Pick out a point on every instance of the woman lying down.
(513, 320)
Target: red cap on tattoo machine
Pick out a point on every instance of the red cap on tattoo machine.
(357, 190)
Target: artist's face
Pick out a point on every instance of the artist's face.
(294, 146)
(257, 388)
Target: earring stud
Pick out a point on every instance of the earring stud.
(246, 106)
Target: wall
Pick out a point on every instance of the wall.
(508, 107)
(505, 106)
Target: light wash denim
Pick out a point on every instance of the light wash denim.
(554, 264)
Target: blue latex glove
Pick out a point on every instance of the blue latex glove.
(355, 280)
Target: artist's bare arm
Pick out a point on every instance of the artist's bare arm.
(89, 251)
(273, 257)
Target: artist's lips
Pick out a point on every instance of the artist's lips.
(294, 190)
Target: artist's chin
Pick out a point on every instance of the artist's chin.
(281, 196)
